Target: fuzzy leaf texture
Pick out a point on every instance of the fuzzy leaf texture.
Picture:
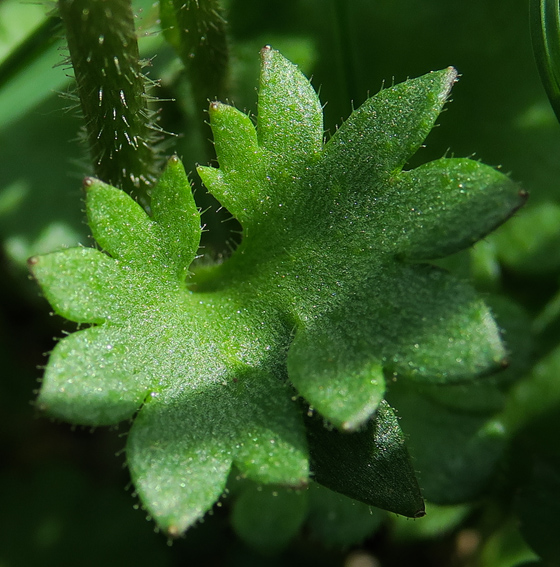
(325, 295)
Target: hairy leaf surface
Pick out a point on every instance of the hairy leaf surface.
(323, 299)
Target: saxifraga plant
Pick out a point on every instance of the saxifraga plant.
(275, 362)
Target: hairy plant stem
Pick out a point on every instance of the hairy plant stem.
(197, 31)
(120, 131)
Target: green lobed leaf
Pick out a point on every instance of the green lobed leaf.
(121, 226)
(178, 466)
(75, 283)
(182, 446)
(177, 217)
(472, 198)
(437, 327)
(240, 162)
(271, 446)
(116, 385)
(290, 113)
(319, 295)
(336, 362)
(167, 242)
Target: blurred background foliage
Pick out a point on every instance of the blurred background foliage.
(488, 454)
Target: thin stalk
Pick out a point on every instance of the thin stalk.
(111, 87)
(197, 31)
(545, 33)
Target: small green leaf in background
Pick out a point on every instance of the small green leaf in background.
(439, 521)
(530, 243)
(455, 450)
(506, 548)
(339, 521)
(267, 518)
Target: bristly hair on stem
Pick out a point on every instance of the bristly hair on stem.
(121, 131)
(197, 31)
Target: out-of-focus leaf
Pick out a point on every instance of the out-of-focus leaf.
(267, 518)
(537, 506)
(338, 520)
(454, 451)
(438, 521)
(505, 547)
(530, 244)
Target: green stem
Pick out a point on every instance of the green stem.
(545, 32)
(197, 31)
(104, 53)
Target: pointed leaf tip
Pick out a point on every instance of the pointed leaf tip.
(372, 466)
(333, 368)
(88, 182)
(450, 192)
(177, 218)
(290, 115)
(391, 125)
(235, 138)
(452, 76)
(119, 224)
